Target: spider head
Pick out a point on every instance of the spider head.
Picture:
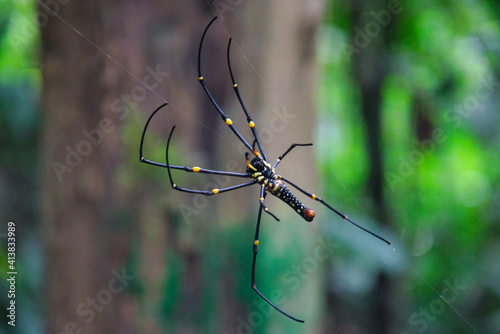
(259, 165)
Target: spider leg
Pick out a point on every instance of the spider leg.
(184, 168)
(194, 169)
(287, 151)
(251, 123)
(255, 250)
(313, 196)
(262, 205)
(227, 120)
(141, 157)
(213, 191)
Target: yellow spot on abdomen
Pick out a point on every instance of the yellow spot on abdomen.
(276, 186)
(215, 191)
(196, 169)
(251, 124)
(228, 121)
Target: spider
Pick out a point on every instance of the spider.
(259, 170)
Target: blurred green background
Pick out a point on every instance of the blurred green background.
(405, 125)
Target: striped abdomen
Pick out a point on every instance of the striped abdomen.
(280, 190)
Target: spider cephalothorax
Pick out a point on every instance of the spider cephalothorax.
(257, 165)
(259, 171)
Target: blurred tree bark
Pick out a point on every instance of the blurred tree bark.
(79, 160)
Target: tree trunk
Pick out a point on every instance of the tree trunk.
(78, 148)
(370, 70)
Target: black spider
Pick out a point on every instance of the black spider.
(259, 170)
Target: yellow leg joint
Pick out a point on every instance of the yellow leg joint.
(229, 121)
(235, 85)
(215, 191)
(196, 169)
(256, 242)
(200, 78)
(251, 124)
(262, 199)
(313, 196)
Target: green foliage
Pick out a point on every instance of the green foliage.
(19, 153)
(442, 186)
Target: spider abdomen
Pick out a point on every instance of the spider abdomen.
(280, 190)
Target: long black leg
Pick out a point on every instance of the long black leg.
(227, 120)
(263, 206)
(141, 156)
(287, 151)
(251, 123)
(255, 250)
(184, 168)
(313, 196)
(202, 192)
(213, 191)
